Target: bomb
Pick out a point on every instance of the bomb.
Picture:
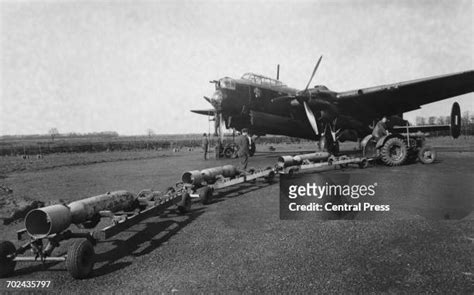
(53, 219)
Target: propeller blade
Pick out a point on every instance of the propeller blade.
(204, 112)
(311, 118)
(314, 72)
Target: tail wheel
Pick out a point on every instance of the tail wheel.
(427, 155)
(80, 259)
(7, 265)
(206, 195)
(184, 206)
(394, 152)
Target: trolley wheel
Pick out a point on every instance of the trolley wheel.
(343, 158)
(330, 161)
(184, 206)
(291, 172)
(252, 171)
(427, 155)
(363, 164)
(92, 222)
(206, 195)
(7, 265)
(80, 259)
(270, 176)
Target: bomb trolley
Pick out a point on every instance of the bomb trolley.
(79, 257)
(318, 162)
(208, 180)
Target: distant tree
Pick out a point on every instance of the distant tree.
(447, 120)
(420, 120)
(466, 119)
(431, 120)
(53, 132)
(150, 132)
(441, 120)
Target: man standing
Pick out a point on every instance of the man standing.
(380, 129)
(205, 145)
(243, 152)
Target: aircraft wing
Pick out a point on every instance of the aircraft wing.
(406, 96)
(204, 112)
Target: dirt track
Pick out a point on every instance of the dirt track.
(238, 243)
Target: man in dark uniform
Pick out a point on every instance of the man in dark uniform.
(243, 152)
(205, 145)
(380, 129)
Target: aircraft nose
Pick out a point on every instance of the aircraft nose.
(217, 99)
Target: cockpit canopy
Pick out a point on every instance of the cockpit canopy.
(262, 80)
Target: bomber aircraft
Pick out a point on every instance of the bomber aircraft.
(268, 106)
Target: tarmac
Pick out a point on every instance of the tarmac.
(239, 244)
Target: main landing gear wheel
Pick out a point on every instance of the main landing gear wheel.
(394, 152)
(184, 206)
(206, 195)
(80, 259)
(7, 265)
(228, 152)
(427, 155)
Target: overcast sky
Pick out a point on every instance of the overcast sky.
(128, 66)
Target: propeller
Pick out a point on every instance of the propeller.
(216, 102)
(302, 98)
(301, 94)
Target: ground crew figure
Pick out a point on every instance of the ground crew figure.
(205, 145)
(380, 129)
(244, 145)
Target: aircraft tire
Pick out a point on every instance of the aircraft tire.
(7, 265)
(228, 152)
(394, 152)
(80, 259)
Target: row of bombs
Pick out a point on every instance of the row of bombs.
(211, 175)
(53, 219)
(45, 221)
